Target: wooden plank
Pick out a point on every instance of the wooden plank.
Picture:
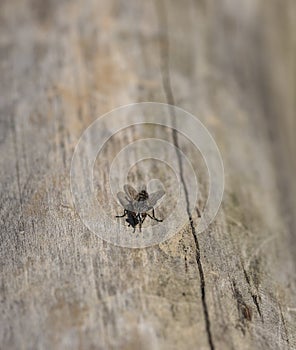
(231, 64)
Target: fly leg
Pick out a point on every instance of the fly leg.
(141, 221)
(121, 216)
(153, 216)
(141, 218)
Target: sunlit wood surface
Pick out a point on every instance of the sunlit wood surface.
(232, 64)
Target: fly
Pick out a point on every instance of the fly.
(137, 204)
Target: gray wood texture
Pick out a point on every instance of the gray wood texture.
(231, 63)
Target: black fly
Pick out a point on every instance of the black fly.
(137, 204)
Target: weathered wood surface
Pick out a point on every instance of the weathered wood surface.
(64, 63)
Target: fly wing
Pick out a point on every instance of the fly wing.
(148, 204)
(143, 188)
(154, 198)
(130, 191)
(124, 201)
(141, 206)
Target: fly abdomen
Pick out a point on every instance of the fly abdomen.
(132, 219)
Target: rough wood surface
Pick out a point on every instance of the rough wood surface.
(231, 63)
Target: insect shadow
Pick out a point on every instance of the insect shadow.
(137, 204)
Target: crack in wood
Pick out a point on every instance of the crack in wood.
(166, 81)
(254, 296)
(284, 325)
(243, 309)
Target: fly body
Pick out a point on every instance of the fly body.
(137, 204)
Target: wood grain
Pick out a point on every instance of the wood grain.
(230, 63)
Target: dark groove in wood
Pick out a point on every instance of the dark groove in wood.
(166, 80)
